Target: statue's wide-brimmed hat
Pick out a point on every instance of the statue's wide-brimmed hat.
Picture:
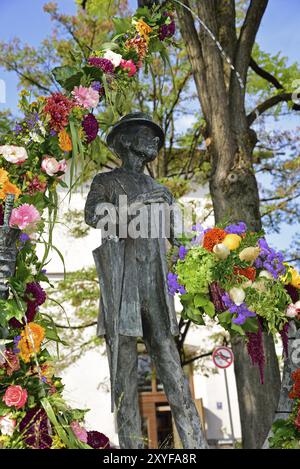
(131, 119)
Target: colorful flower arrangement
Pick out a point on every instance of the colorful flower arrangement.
(56, 130)
(232, 275)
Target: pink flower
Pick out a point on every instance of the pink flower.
(293, 310)
(15, 396)
(129, 66)
(51, 166)
(7, 425)
(25, 216)
(79, 431)
(86, 97)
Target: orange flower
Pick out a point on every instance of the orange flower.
(9, 188)
(31, 339)
(3, 176)
(213, 237)
(65, 142)
(249, 272)
(143, 28)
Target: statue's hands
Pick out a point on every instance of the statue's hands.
(160, 195)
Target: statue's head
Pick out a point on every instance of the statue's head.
(137, 133)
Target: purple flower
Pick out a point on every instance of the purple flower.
(167, 29)
(91, 127)
(35, 290)
(293, 292)
(285, 339)
(238, 228)
(216, 293)
(104, 64)
(241, 310)
(24, 237)
(182, 252)
(97, 440)
(174, 286)
(53, 133)
(97, 86)
(17, 339)
(18, 129)
(270, 259)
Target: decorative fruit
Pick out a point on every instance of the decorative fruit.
(232, 241)
(249, 254)
(221, 251)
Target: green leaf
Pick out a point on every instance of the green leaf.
(122, 25)
(225, 317)
(237, 328)
(250, 325)
(201, 300)
(67, 76)
(209, 309)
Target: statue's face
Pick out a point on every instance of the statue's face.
(144, 142)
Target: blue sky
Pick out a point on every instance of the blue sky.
(25, 19)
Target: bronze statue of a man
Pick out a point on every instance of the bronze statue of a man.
(135, 301)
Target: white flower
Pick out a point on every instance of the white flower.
(7, 425)
(221, 251)
(266, 274)
(237, 295)
(13, 154)
(249, 254)
(113, 57)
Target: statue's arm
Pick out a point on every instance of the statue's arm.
(96, 195)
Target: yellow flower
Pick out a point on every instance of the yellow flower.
(65, 142)
(9, 188)
(3, 176)
(295, 278)
(143, 28)
(232, 241)
(57, 443)
(31, 339)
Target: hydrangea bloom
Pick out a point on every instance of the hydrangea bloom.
(241, 310)
(86, 97)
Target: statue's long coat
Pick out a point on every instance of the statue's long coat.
(120, 307)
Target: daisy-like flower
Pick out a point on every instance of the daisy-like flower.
(86, 97)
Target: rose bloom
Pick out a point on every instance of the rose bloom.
(13, 154)
(51, 166)
(15, 396)
(7, 425)
(113, 57)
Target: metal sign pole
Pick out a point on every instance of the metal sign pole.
(229, 406)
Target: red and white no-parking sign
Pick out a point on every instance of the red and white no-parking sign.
(222, 357)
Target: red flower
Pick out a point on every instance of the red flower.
(213, 237)
(295, 392)
(297, 421)
(249, 272)
(59, 108)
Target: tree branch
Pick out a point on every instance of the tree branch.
(263, 107)
(83, 326)
(13, 67)
(264, 74)
(248, 34)
(191, 360)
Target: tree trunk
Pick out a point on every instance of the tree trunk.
(233, 185)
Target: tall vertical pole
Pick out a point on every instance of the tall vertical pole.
(229, 405)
